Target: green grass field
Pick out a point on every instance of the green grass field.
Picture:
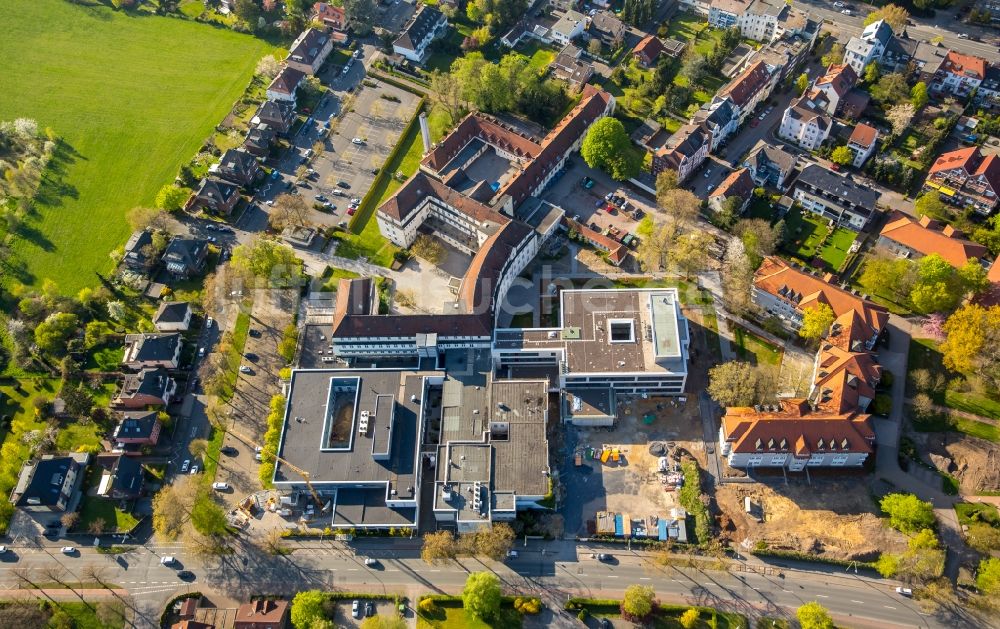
(452, 615)
(751, 346)
(806, 231)
(132, 98)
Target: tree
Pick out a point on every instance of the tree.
(248, 11)
(842, 155)
(695, 68)
(438, 546)
(900, 118)
(918, 95)
(802, 83)
(938, 286)
(907, 513)
(891, 89)
(894, 15)
(495, 542)
(973, 277)
(289, 209)
(638, 601)
(361, 15)
(172, 506)
(69, 519)
(683, 205)
(594, 47)
(268, 67)
(834, 56)
(51, 335)
(429, 249)
(972, 336)
(872, 73)
(689, 619)
(172, 198)
(737, 383)
(198, 448)
(689, 252)
(267, 258)
(665, 182)
(140, 218)
(988, 576)
(481, 595)
(607, 146)
(77, 399)
(307, 608)
(814, 616)
(655, 243)
(930, 204)
(446, 91)
(816, 321)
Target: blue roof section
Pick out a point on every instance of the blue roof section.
(619, 528)
(663, 529)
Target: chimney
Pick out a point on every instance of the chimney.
(425, 131)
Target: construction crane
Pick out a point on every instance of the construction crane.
(295, 468)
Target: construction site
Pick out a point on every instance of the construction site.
(629, 472)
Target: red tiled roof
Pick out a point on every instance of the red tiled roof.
(965, 158)
(776, 276)
(739, 183)
(749, 82)
(477, 125)
(990, 170)
(421, 185)
(863, 135)
(286, 81)
(928, 236)
(966, 65)
(616, 250)
(798, 429)
(840, 77)
(480, 281)
(650, 47)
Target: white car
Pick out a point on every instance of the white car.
(847, 12)
(167, 561)
(357, 141)
(201, 352)
(963, 35)
(355, 200)
(708, 173)
(356, 608)
(3, 549)
(839, 5)
(209, 321)
(244, 369)
(511, 554)
(185, 465)
(904, 591)
(220, 486)
(194, 469)
(337, 192)
(68, 550)
(269, 202)
(370, 561)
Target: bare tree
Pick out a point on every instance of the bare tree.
(69, 519)
(97, 526)
(446, 91)
(289, 209)
(24, 577)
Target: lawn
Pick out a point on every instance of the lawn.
(749, 346)
(452, 615)
(970, 513)
(807, 231)
(77, 435)
(539, 56)
(131, 98)
(333, 277)
(107, 358)
(924, 354)
(85, 615)
(115, 519)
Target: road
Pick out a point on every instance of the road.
(551, 570)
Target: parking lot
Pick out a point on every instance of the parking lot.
(588, 204)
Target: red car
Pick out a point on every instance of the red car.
(351, 211)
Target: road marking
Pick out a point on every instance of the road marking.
(352, 569)
(612, 576)
(822, 596)
(787, 591)
(858, 602)
(644, 578)
(888, 607)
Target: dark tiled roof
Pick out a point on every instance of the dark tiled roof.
(307, 47)
(287, 81)
(838, 186)
(136, 425)
(425, 20)
(187, 251)
(272, 111)
(217, 190)
(171, 312)
(151, 347)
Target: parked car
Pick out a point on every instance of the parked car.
(344, 184)
(194, 469)
(338, 192)
(220, 486)
(511, 554)
(902, 591)
(320, 197)
(251, 357)
(357, 141)
(351, 211)
(167, 560)
(355, 201)
(369, 609)
(186, 575)
(185, 465)
(68, 550)
(245, 369)
(201, 352)
(229, 451)
(356, 608)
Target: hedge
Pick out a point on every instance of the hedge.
(797, 556)
(372, 197)
(381, 75)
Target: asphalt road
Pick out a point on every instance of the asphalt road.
(554, 571)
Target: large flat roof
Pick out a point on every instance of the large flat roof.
(612, 330)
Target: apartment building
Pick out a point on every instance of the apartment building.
(966, 178)
(805, 123)
(836, 197)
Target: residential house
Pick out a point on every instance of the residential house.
(615, 250)
(794, 435)
(650, 136)
(50, 483)
(136, 257)
(172, 316)
(834, 86)
(215, 196)
(285, 86)
(869, 47)
(279, 116)
(739, 184)
(136, 430)
(927, 60)
(568, 27)
(121, 477)
(185, 257)
(259, 140)
(149, 387)
(684, 151)
(607, 28)
(854, 104)
(309, 51)
(914, 239)
(332, 16)
(966, 178)
(759, 21)
(862, 143)
(805, 123)
(239, 167)
(786, 292)
(699, 7)
(845, 371)
(191, 624)
(647, 52)
(570, 66)
(726, 13)
(427, 24)
(152, 350)
(988, 93)
(959, 74)
(262, 614)
(721, 118)
(769, 165)
(748, 89)
(838, 198)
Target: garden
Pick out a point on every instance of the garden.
(811, 240)
(131, 91)
(751, 347)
